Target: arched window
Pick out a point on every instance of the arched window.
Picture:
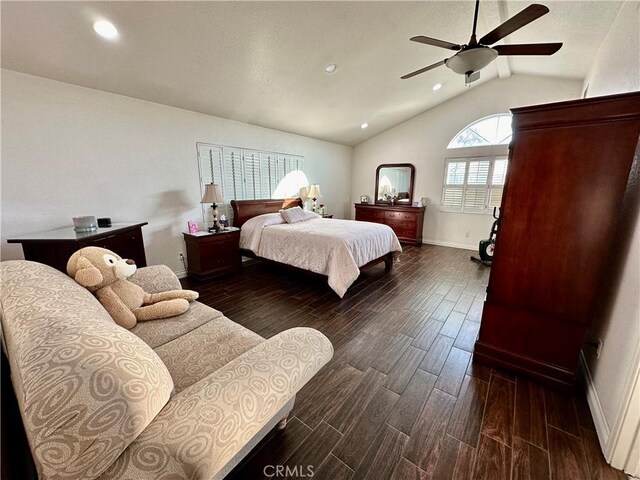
(491, 130)
(474, 184)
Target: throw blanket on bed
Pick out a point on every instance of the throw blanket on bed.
(335, 248)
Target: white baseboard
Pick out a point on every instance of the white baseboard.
(451, 244)
(181, 273)
(602, 427)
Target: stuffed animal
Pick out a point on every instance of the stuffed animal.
(105, 274)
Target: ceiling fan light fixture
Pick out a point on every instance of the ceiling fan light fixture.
(471, 60)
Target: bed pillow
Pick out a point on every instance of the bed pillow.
(264, 220)
(251, 230)
(296, 214)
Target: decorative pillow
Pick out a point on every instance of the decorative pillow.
(296, 214)
(262, 221)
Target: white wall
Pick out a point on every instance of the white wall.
(69, 150)
(617, 70)
(423, 141)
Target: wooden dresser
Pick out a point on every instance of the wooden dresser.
(54, 247)
(571, 173)
(406, 222)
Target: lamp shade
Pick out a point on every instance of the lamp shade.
(212, 194)
(314, 191)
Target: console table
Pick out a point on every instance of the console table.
(54, 247)
(405, 221)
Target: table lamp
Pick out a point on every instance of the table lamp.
(314, 193)
(213, 195)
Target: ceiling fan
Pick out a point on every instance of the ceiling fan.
(474, 56)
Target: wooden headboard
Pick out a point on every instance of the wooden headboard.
(244, 210)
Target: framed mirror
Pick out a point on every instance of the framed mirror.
(394, 183)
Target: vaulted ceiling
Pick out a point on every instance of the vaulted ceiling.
(263, 62)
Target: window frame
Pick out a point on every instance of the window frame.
(450, 145)
(488, 186)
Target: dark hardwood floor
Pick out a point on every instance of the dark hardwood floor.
(401, 398)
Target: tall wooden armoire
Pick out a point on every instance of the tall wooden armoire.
(569, 168)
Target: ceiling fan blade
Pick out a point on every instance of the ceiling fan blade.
(528, 49)
(519, 20)
(435, 42)
(422, 70)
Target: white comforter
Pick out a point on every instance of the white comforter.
(335, 248)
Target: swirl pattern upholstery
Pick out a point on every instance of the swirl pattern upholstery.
(85, 393)
(98, 401)
(204, 426)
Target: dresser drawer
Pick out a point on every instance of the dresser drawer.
(400, 216)
(401, 233)
(370, 215)
(401, 225)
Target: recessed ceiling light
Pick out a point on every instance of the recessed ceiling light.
(436, 87)
(106, 29)
(331, 68)
(364, 125)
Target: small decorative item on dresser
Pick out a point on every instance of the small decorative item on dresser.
(85, 224)
(364, 199)
(104, 222)
(192, 226)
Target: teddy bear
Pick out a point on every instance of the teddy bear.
(105, 274)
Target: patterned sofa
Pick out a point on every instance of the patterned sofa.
(185, 397)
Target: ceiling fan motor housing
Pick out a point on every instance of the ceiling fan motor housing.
(471, 60)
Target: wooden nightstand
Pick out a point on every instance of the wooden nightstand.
(212, 254)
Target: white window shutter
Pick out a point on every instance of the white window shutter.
(475, 198)
(478, 172)
(452, 198)
(495, 196)
(499, 171)
(252, 175)
(455, 173)
(270, 176)
(233, 186)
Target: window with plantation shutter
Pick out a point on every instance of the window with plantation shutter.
(473, 185)
(244, 174)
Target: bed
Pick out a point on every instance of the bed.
(337, 249)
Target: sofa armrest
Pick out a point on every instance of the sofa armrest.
(156, 279)
(207, 424)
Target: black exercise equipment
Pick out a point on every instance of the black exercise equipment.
(486, 247)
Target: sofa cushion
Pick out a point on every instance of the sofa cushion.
(202, 351)
(160, 331)
(86, 387)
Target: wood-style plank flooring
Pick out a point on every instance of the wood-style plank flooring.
(401, 398)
